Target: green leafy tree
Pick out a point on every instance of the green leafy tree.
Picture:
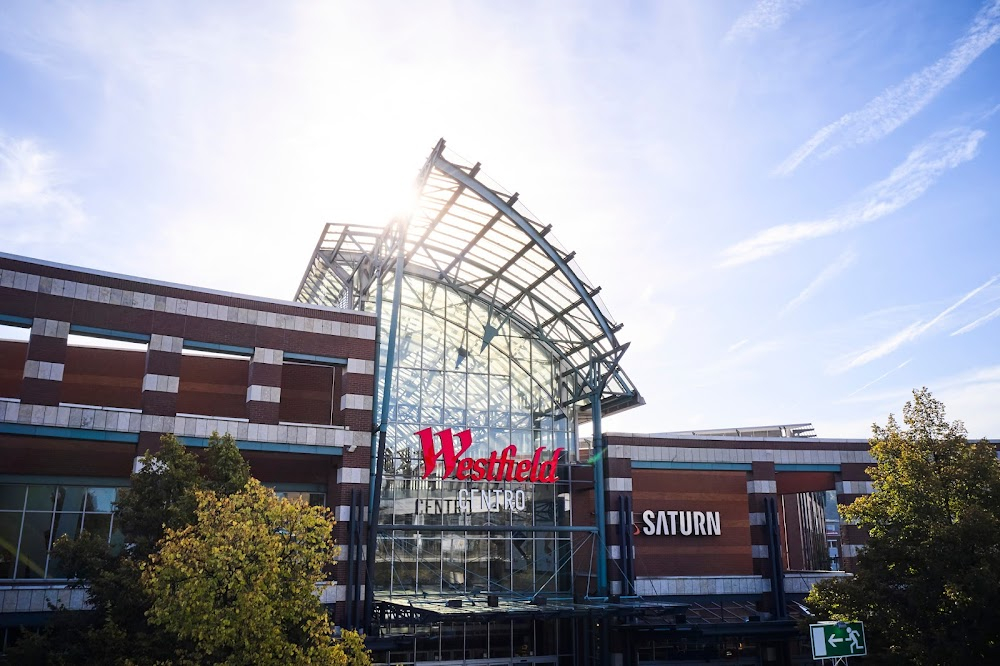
(163, 499)
(927, 585)
(238, 583)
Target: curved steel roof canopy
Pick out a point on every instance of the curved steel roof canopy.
(480, 241)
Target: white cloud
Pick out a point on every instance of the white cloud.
(911, 332)
(737, 358)
(33, 199)
(736, 345)
(977, 323)
(971, 395)
(764, 16)
(898, 104)
(842, 263)
(880, 378)
(907, 182)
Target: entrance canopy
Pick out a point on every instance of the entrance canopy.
(432, 611)
(479, 240)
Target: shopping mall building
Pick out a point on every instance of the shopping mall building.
(428, 384)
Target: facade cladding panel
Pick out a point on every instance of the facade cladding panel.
(212, 385)
(12, 357)
(108, 377)
(307, 393)
(789, 483)
(675, 554)
(54, 456)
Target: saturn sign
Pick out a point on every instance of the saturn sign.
(683, 523)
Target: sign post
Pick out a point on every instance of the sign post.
(837, 640)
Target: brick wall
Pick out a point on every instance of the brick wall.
(107, 377)
(37, 290)
(58, 298)
(12, 357)
(215, 386)
(59, 457)
(307, 393)
(726, 492)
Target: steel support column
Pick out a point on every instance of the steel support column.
(373, 518)
(598, 458)
(375, 402)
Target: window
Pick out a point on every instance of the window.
(32, 517)
(312, 499)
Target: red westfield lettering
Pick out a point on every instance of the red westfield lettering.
(502, 466)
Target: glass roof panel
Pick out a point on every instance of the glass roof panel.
(465, 232)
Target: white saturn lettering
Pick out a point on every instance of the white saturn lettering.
(685, 523)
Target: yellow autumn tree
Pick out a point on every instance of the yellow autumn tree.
(238, 585)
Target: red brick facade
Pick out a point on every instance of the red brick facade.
(81, 412)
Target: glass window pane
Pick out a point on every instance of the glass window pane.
(432, 396)
(10, 532)
(117, 540)
(70, 498)
(99, 524)
(404, 565)
(67, 524)
(34, 545)
(11, 497)
(100, 499)
(41, 498)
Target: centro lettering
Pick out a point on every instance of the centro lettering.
(502, 466)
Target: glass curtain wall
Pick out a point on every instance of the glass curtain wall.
(33, 517)
(504, 392)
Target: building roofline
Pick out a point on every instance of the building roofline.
(176, 285)
(806, 441)
(809, 442)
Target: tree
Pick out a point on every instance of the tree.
(927, 584)
(164, 499)
(238, 583)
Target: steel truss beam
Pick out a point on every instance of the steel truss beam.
(348, 261)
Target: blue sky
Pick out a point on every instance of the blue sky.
(791, 205)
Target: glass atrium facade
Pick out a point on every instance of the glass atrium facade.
(505, 393)
(489, 331)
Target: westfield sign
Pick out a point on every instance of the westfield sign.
(502, 466)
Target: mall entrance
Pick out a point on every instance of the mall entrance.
(544, 642)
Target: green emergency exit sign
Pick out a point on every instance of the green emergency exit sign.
(831, 640)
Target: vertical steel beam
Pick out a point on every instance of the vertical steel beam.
(351, 557)
(776, 570)
(598, 457)
(625, 539)
(375, 401)
(373, 517)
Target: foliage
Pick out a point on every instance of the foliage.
(238, 583)
(164, 500)
(927, 585)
